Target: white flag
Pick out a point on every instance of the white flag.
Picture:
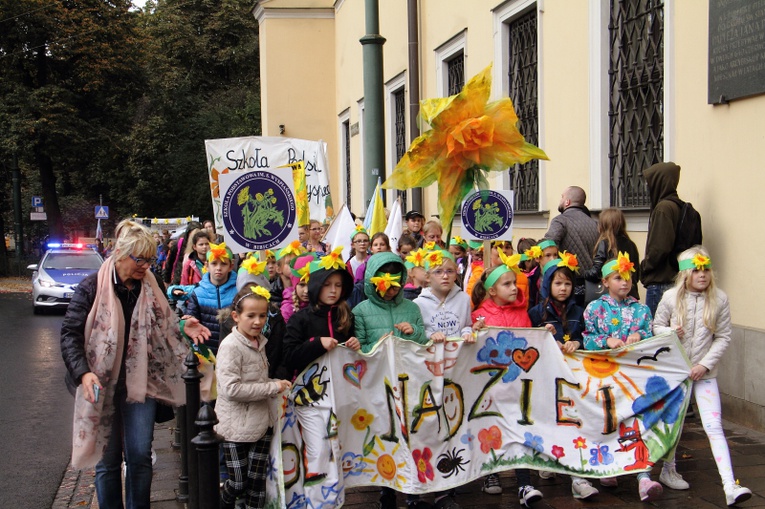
(339, 232)
(395, 226)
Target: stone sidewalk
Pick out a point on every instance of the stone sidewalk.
(694, 462)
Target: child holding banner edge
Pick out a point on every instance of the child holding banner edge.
(615, 320)
(498, 302)
(699, 314)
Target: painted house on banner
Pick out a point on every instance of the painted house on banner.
(606, 88)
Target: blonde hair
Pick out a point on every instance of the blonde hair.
(711, 310)
(133, 239)
(432, 225)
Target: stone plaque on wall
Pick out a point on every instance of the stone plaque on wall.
(736, 49)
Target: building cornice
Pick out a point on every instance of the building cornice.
(262, 13)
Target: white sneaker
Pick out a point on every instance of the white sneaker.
(671, 479)
(582, 489)
(609, 482)
(529, 495)
(491, 485)
(649, 490)
(546, 474)
(737, 494)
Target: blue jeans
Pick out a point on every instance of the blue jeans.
(653, 295)
(132, 433)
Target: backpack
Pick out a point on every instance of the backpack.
(688, 232)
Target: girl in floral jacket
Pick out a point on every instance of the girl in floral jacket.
(615, 320)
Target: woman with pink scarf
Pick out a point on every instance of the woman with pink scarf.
(124, 353)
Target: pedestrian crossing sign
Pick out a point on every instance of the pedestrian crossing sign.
(102, 212)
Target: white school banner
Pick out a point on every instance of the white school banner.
(425, 418)
(265, 153)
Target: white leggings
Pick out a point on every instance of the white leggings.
(707, 397)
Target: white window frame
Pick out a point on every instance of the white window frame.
(599, 196)
(342, 118)
(444, 53)
(391, 87)
(502, 16)
(362, 162)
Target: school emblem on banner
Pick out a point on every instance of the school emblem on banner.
(258, 209)
(488, 215)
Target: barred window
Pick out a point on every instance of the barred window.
(522, 75)
(399, 126)
(347, 162)
(636, 109)
(455, 68)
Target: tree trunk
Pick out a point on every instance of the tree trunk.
(50, 196)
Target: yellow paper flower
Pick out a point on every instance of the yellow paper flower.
(511, 262)
(305, 273)
(294, 247)
(534, 252)
(333, 260)
(253, 266)
(429, 246)
(434, 258)
(259, 290)
(384, 282)
(568, 260)
(417, 257)
(701, 261)
(469, 137)
(458, 239)
(624, 266)
(566, 338)
(218, 252)
(270, 255)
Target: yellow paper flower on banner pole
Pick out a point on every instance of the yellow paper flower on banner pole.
(469, 138)
(384, 282)
(333, 260)
(254, 266)
(568, 260)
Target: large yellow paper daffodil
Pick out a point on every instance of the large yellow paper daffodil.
(469, 137)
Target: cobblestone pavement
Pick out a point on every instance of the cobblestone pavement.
(694, 462)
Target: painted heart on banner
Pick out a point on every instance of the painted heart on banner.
(525, 359)
(354, 372)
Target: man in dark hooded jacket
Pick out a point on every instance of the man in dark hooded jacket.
(659, 266)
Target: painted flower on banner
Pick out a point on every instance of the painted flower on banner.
(659, 403)
(424, 467)
(580, 443)
(490, 438)
(468, 438)
(557, 451)
(534, 442)
(362, 419)
(214, 185)
(499, 351)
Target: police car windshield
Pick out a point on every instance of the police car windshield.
(80, 260)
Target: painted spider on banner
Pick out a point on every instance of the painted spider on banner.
(451, 462)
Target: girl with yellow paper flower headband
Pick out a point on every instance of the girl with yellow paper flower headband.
(244, 389)
(699, 313)
(359, 252)
(327, 321)
(612, 321)
(530, 254)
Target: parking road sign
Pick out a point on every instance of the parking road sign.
(37, 201)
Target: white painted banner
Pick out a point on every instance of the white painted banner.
(428, 418)
(228, 155)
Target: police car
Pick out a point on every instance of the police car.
(59, 272)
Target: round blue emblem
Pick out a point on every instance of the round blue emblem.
(487, 215)
(259, 210)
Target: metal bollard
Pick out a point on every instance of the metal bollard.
(207, 443)
(183, 478)
(192, 376)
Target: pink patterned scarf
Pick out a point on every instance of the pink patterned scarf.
(153, 365)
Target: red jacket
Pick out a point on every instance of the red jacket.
(510, 315)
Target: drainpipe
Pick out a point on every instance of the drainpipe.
(374, 119)
(413, 30)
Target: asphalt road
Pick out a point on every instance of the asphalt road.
(35, 407)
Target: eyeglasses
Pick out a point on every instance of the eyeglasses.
(143, 261)
(444, 272)
(364, 241)
(315, 229)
